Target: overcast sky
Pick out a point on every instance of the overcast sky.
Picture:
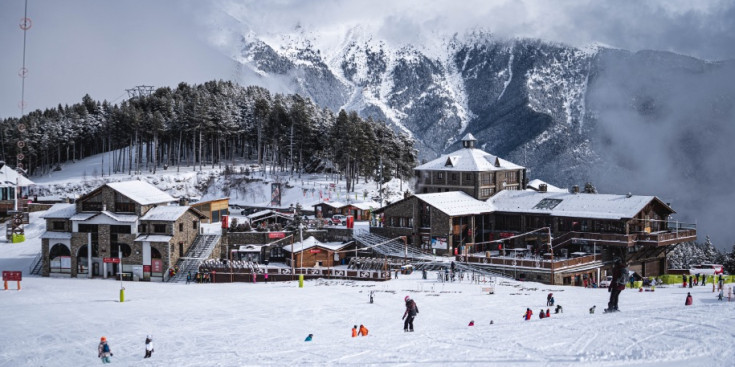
(102, 47)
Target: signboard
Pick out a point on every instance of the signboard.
(275, 194)
(156, 265)
(276, 234)
(315, 251)
(146, 268)
(505, 234)
(9, 276)
(111, 260)
(439, 243)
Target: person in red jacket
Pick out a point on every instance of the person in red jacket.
(548, 314)
(528, 314)
(619, 277)
(689, 300)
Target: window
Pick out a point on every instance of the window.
(181, 227)
(194, 224)
(87, 228)
(159, 228)
(454, 177)
(486, 192)
(119, 229)
(440, 175)
(58, 226)
(486, 179)
(410, 222)
(125, 207)
(142, 228)
(468, 176)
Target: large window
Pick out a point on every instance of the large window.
(87, 228)
(486, 192)
(123, 204)
(486, 179)
(58, 226)
(159, 228)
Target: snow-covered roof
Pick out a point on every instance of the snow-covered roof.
(367, 205)
(313, 242)
(334, 204)
(8, 178)
(454, 203)
(259, 213)
(249, 248)
(60, 211)
(565, 204)
(56, 235)
(468, 160)
(115, 216)
(534, 185)
(153, 238)
(141, 192)
(168, 213)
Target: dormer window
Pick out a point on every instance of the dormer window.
(448, 163)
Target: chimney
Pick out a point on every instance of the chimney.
(629, 195)
(542, 188)
(183, 201)
(575, 189)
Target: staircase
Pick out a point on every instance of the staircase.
(36, 265)
(199, 251)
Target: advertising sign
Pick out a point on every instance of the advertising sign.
(315, 251)
(439, 243)
(111, 260)
(157, 265)
(146, 268)
(10, 276)
(276, 234)
(275, 194)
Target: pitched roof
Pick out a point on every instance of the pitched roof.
(534, 184)
(565, 204)
(60, 211)
(468, 160)
(313, 242)
(141, 192)
(115, 216)
(8, 177)
(454, 203)
(165, 213)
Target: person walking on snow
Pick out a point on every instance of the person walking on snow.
(363, 330)
(411, 311)
(689, 300)
(103, 350)
(548, 298)
(148, 346)
(617, 285)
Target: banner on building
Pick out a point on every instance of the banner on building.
(275, 194)
(439, 243)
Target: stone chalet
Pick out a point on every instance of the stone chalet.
(534, 231)
(133, 220)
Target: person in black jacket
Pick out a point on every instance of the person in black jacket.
(411, 311)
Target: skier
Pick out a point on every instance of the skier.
(528, 314)
(472, 323)
(103, 350)
(188, 278)
(684, 281)
(548, 298)
(690, 281)
(551, 301)
(541, 314)
(148, 346)
(354, 331)
(308, 337)
(617, 285)
(721, 295)
(592, 309)
(371, 296)
(559, 309)
(363, 330)
(689, 300)
(411, 311)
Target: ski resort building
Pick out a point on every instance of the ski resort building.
(127, 227)
(475, 206)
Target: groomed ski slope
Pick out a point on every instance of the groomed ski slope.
(58, 322)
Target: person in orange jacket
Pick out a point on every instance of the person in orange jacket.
(363, 330)
(354, 331)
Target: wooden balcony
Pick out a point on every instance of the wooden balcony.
(537, 263)
(656, 239)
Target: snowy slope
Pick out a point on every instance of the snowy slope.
(58, 322)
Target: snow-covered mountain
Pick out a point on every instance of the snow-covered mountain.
(651, 122)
